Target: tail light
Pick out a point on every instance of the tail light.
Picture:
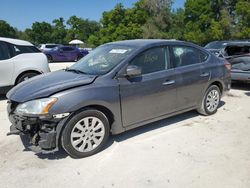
(227, 65)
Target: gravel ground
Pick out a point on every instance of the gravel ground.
(60, 65)
(188, 150)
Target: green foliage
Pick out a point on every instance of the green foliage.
(6, 30)
(243, 18)
(40, 32)
(59, 31)
(80, 28)
(119, 24)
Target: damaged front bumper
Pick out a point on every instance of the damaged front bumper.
(43, 131)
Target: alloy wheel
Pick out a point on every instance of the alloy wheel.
(212, 100)
(87, 134)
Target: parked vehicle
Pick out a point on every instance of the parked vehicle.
(117, 87)
(19, 61)
(47, 47)
(65, 53)
(238, 55)
(217, 47)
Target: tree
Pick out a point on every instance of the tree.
(59, 31)
(81, 28)
(40, 32)
(6, 30)
(159, 18)
(243, 19)
(119, 24)
(222, 29)
(177, 29)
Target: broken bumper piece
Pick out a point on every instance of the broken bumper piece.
(42, 133)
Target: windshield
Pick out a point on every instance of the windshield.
(215, 45)
(102, 59)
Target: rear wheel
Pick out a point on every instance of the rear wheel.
(85, 134)
(78, 58)
(210, 101)
(26, 76)
(50, 59)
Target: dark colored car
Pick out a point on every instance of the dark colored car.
(117, 87)
(65, 53)
(238, 55)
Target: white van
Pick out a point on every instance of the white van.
(19, 61)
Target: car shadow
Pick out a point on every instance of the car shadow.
(61, 154)
(158, 124)
(153, 126)
(241, 86)
(247, 94)
(2, 97)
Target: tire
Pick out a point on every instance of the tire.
(25, 77)
(50, 59)
(78, 58)
(80, 138)
(210, 101)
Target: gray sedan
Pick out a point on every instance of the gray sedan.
(117, 87)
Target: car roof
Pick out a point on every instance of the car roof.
(238, 43)
(145, 42)
(16, 41)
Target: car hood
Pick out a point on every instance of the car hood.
(48, 84)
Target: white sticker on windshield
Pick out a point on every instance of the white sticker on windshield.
(118, 51)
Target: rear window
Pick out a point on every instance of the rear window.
(50, 46)
(24, 49)
(215, 45)
(237, 50)
(186, 55)
(17, 49)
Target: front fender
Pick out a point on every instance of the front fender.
(96, 94)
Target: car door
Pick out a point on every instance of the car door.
(62, 54)
(6, 65)
(151, 95)
(191, 75)
(69, 54)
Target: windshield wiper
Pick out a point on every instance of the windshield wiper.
(75, 70)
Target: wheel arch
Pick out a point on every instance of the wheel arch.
(107, 112)
(218, 84)
(25, 72)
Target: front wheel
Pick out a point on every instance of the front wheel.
(50, 58)
(78, 58)
(85, 134)
(210, 101)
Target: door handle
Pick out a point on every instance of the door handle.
(204, 74)
(168, 82)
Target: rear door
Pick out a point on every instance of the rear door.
(6, 65)
(152, 94)
(69, 53)
(192, 74)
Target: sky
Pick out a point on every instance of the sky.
(22, 13)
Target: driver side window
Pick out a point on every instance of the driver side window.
(152, 60)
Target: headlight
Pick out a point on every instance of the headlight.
(36, 107)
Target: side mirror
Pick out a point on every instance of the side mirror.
(133, 71)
